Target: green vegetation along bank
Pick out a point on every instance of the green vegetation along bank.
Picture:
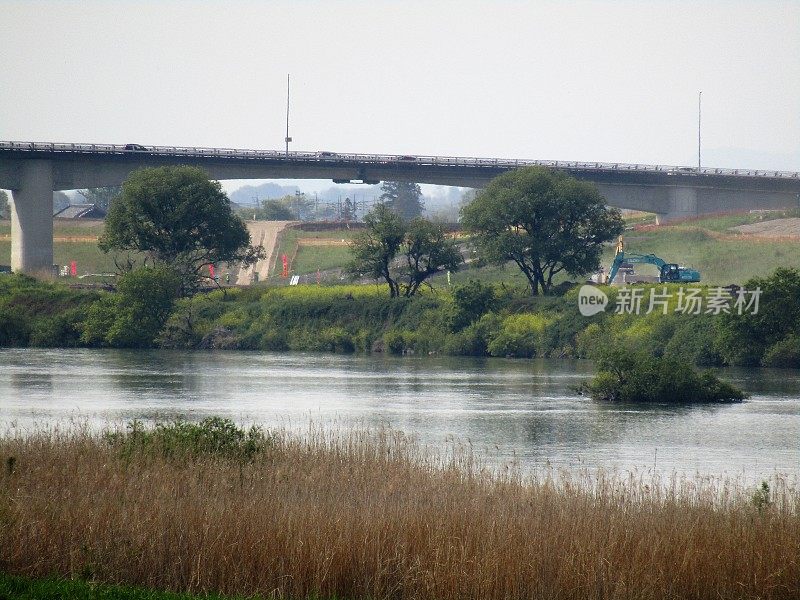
(474, 319)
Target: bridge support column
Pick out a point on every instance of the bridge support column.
(32, 219)
(682, 204)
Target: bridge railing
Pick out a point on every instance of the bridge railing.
(376, 159)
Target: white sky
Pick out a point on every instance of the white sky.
(599, 81)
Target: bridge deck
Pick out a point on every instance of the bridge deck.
(53, 149)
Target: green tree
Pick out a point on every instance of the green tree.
(376, 247)
(403, 198)
(544, 221)
(5, 205)
(749, 339)
(426, 251)
(403, 254)
(134, 316)
(175, 216)
(274, 210)
(102, 196)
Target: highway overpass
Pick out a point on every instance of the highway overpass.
(32, 171)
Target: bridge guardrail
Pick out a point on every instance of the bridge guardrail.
(381, 159)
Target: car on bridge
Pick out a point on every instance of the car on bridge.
(136, 148)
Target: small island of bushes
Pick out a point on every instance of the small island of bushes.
(629, 376)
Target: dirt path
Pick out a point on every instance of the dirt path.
(774, 228)
(263, 233)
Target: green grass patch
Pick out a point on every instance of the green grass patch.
(311, 258)
(87, 255)
(25, 588)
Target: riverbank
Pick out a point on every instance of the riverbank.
(475, 319)
(357, 514)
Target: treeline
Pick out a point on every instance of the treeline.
(475, 319)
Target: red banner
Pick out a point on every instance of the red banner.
(285, 267)
(211, 271)
(73, 269)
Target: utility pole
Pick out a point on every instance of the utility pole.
(288, 139)
(699, 114)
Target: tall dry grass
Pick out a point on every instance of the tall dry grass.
(371, 515)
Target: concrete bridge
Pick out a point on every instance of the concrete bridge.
(32, 171)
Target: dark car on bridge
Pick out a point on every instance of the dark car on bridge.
(136, 147)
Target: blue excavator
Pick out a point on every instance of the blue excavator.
(668, 272)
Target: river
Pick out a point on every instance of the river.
(507, 409)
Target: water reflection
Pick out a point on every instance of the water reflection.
(524, 409)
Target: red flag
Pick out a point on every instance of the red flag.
(211, 271)
(73, 269)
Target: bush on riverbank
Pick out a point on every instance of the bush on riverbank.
(471, 320)
(371, 515)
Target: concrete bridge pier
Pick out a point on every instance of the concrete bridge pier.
(32, 219)
(681, 204)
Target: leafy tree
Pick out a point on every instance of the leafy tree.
(426, 251)
(136, 314)
(175, 216)
(348, 210)
(747, 339)
(402, 254)
(376, 247)
(5, 205)
(403, 198)
(102, 196)
(274, 210)
(544, 221)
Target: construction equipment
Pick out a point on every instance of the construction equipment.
(668, 272)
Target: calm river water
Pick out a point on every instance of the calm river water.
(522, 409)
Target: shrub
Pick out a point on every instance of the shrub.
(784, 354)
(398, 341)
(136, 314)
(471, 301)
(474, 340)
(212, 436)
(59, 331)
(628, 376)
(520, 336)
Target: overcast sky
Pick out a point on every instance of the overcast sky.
(599, 81)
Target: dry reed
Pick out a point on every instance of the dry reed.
(372, 515)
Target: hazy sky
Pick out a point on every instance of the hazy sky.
(599, 81)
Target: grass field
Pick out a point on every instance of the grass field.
(359, 514)
(307, 259)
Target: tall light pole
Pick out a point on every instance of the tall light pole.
(699, 114)
(288, 139)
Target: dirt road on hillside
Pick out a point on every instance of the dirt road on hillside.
(262, 233)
